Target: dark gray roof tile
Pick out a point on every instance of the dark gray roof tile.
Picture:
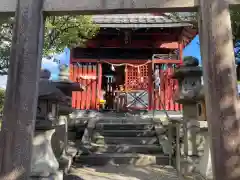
(140, 20)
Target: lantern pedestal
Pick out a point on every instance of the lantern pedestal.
(44, 164)
(205, 164)
(189, 94)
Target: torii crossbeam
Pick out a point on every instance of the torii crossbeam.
(62, 7)
(22, 88)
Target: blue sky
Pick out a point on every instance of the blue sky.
(193, 49)
(63, 58)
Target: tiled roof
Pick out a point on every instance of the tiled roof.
(140, 20)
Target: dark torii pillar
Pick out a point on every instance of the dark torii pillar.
(22, 89)
(220, 88)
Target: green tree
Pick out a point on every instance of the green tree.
(60, 32)
(235, 20)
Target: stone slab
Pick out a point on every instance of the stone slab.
(122, 148)
(123, 172)
(122, 158)
(128, 140)
(128, 133)
(57, 176)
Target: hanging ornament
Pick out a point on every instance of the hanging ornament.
(112, 68)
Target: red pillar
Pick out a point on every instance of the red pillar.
(181, 52)
(99, 83)
(150, 87)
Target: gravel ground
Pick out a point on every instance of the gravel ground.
(122, 172)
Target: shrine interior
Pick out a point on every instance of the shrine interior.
(113, 78)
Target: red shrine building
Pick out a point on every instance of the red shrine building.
(130, 62)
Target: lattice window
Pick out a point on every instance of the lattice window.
(137, 77)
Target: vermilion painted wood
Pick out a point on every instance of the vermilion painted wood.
(74, 98)
(134, 44)
(99, 83)
(120, 61)
(165, 94)
(72, 79)
(167, 89)
(94, 89)
(87, 98)
(83, 102)
(181, 52)
(89, 87)
(162, 92)
(78, 94)
(150, 87)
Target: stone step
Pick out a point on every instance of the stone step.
(126, 133)
(125, 120)
(127, 126)
(122, 158)
(124, 148)
(126, 140)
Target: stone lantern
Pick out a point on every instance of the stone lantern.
(190, 85)
(51, 131)
(63, 150)
(44, 163)
(190, 94)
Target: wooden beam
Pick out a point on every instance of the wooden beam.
(134, 44)
(129, 61)
(64, 7)
(220, 88)
(22, 91)
(167, 38)
(61, 7)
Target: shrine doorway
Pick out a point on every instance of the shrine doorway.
(113, 78)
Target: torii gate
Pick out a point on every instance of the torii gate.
(22, 88)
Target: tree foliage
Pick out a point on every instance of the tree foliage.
(2, 97)
(235, 21)
(60, 32)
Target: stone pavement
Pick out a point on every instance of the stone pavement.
(122, 172)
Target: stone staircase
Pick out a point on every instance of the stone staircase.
(122, 139)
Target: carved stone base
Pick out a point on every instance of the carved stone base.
(57, 176)
(66, 159)
(205, 165)
(189, 164)
(62, 148)
(44, 162)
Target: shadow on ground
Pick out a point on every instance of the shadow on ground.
(72, 177)
(122, 172)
